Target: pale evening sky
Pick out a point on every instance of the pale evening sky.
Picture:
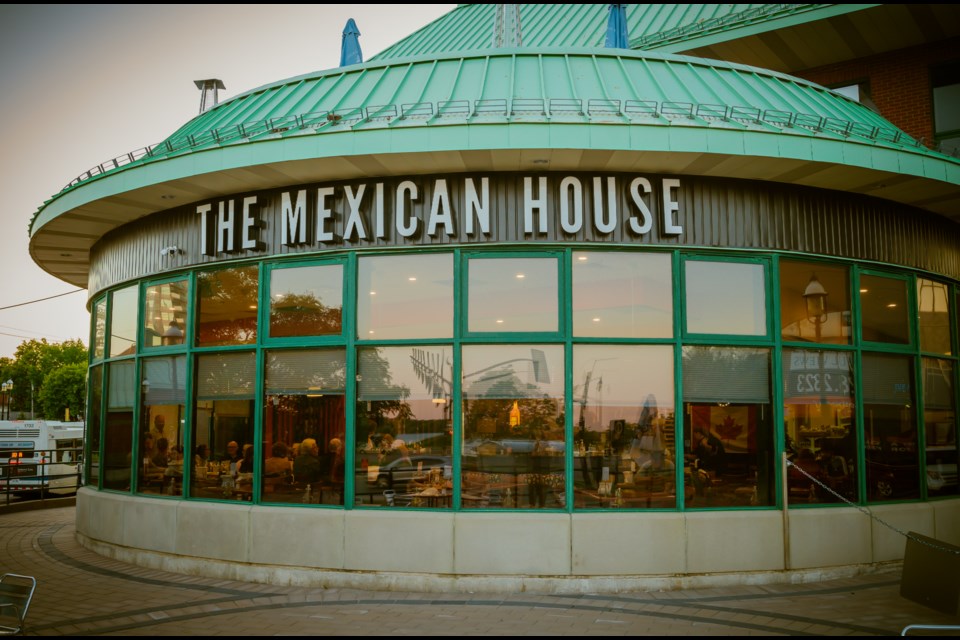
(86, 83)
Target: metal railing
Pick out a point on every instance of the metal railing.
(45, 478)
(602, 109)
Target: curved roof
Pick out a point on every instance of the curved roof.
(468, 27)
(401, 115)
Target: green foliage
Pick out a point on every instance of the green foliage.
(62, 389)
(33, 361)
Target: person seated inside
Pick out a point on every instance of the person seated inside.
(245, 464)
(233, 454)
(306, 466)
(277, 468)
(161, 458)
(201, 455)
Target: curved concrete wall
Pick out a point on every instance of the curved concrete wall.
(546, 552)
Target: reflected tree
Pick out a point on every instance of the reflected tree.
(303, 314)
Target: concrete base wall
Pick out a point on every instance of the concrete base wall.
(500, 552)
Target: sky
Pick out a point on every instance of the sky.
(82, 84)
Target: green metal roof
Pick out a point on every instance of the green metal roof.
(469, 27)
(430, 99)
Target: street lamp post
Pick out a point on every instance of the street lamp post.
(7, 388)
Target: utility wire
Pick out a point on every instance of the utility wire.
(59, 295)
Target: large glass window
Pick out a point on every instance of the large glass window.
(814, 302)
(223, 421)
(624, 444)
(306, 301)
(729, 437)
(123, 322)
(884, 313)
(227, 307)
(512, 294)
(622, 295)
(163, 409)
(118, 427)
(727, 298)
(933, 302)
(93, 425)
(890, 427)
(303, 426)
(945, 80)
(513, 427)
(99, 328)
(165, 314)
(940, 427)
(405, 297)
(818, 415)
(404, 426)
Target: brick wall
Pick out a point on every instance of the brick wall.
(899, 82)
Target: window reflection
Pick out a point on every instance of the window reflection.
(92, 456)
(404, 427)
(227, 307)
(405, 297)
(890, 427)
(818, 415)
(627, 295)
(939, 417)
(306, 301)
(512, 294)
(814, 302)
(513, 427)
(163, 407)
(729, 441)
(624, 453)
(123, 322)
(118, 427)
(934, 306)
(883, 309)
(165, 314)
(99, 328)
(727, 298)
(303, 426)
(223, 421)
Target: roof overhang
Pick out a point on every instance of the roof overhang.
(827, 35)
(69, 226)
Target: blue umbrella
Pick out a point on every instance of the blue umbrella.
(617, 28)
(350, 48)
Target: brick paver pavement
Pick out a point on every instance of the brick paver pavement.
(82, 593)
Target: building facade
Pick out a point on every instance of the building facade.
(547, 315)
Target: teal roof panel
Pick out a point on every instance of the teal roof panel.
(470, 27)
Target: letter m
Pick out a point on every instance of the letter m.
(293, 219)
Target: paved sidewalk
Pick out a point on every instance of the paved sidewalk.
(82, 593)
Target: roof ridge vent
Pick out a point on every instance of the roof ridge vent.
(507, 32)
(208, 92)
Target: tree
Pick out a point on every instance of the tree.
(33, 361)
(64, 388)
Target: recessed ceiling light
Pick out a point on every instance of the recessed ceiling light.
(253, 306)
(864, 290)
(370, 332)
(520, 276)
(373, 293)
(596, 319)
(412, 278)
(582, 258)
(499, 321)
(891, 305)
